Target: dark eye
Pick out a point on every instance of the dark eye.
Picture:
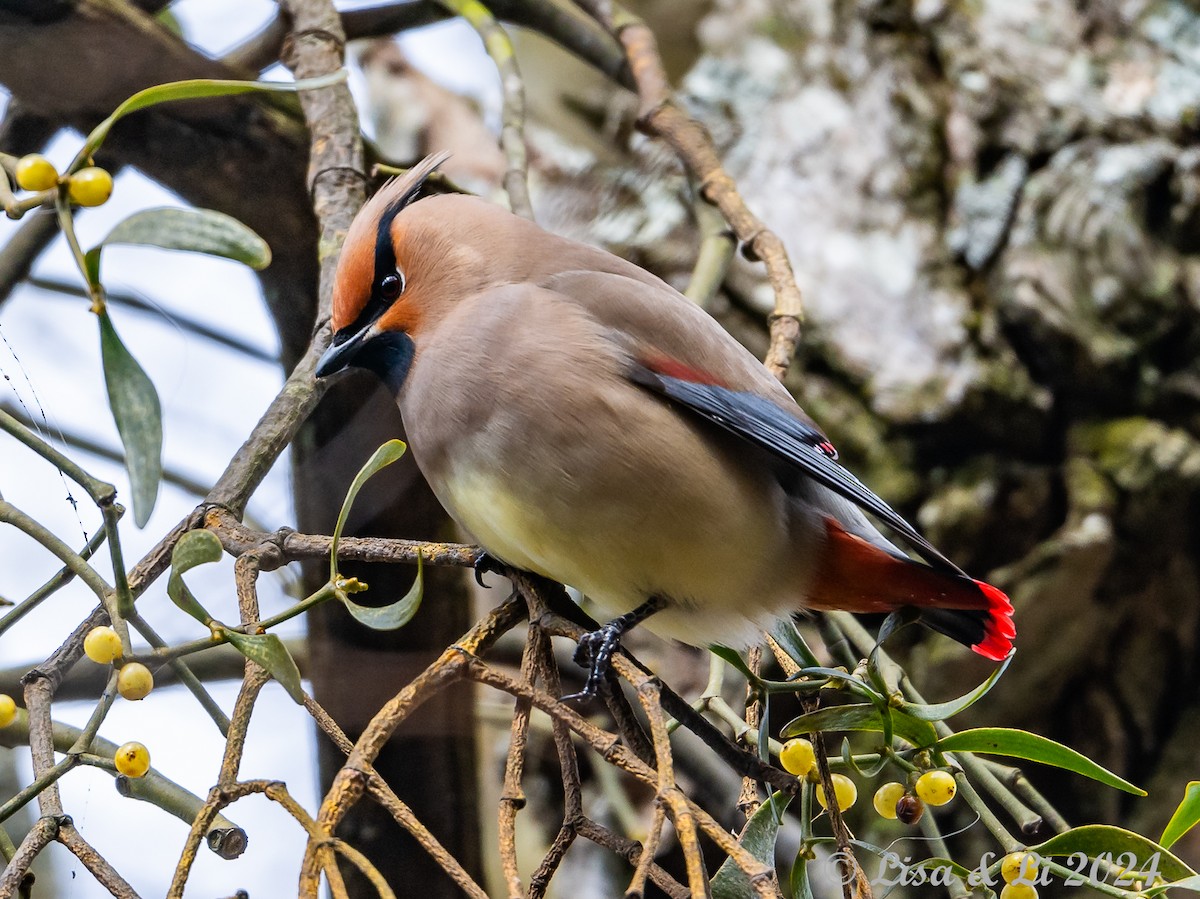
(391, 286)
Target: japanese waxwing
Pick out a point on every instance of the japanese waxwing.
(585, 421)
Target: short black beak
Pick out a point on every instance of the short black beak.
(341, 354)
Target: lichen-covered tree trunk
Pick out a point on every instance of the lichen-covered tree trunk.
(992, 208)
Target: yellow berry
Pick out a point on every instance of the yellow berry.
(90, 187)
(885, 799)
(1019, 865)
(134, 681)
(843, 788)
(102, 645)
(1019, 891)
(936, 787)
(132, 759)
(798, 757)
(8, 710)
(36, 172)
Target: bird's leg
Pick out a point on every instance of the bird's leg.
(486, 563)
(596, 648)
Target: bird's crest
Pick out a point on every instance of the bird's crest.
(368, 254)
(403, 189)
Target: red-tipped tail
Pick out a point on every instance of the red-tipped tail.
(859, 577)
(998, 630)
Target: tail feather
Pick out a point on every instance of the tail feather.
(999, 629)
(859, 577)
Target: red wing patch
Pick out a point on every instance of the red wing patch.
(673, 368)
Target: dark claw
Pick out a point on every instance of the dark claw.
(487, 564)
(595, 652)
(596, 648)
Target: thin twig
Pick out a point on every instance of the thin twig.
(855, 884)
(364, 866)
(400, 812)
(405, 817)
(218, 798)
(38, 691)
(742, 762)
(632, 852)
(23, 249)
(568, 763)
(106, 875)
(239, 724)
(669, 794)
(237, 539)
(512, 796)
(56, 582)
(351, 782)
(186, 324)
(748, 801)
(185, 674)
(225, 790)
(10, 514)
(660, 117)
(28, 793)
(512, 128)
(87, 736)
(641, 870)
(614, 753)
(38, 838)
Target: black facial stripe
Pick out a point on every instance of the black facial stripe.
(385, 252)
(385, 264)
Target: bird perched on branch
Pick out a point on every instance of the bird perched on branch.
(585, 421)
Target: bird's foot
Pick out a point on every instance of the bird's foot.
(596, 648)
(595, 652)
(486, 563)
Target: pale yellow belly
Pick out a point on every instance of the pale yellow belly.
(717, 562)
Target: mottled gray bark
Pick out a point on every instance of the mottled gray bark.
(992, 208)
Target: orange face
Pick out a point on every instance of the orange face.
(355, 273)
(372, 252)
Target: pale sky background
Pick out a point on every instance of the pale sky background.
(50, 362)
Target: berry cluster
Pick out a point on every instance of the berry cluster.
(91, 186)
(893, 800)
(134, 681)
